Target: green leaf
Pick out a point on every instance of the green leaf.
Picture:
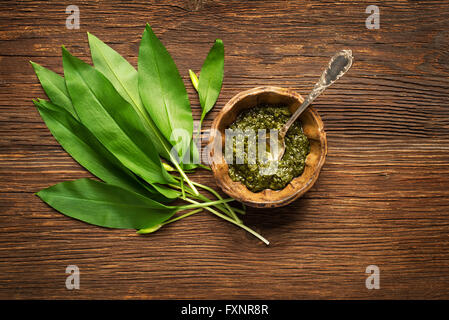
(194, 160)
(194, 79)
(112, 120)
(54, 87)
(105, 205)
(211, 77)
(166, 191)
(150, 230)
(118, 70)
(163, 92)
(82, 145)
(123, 77)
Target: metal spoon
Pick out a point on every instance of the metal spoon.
(338, 65)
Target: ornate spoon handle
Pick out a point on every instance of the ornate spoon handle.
(337, 67)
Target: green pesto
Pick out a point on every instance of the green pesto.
(292, 163)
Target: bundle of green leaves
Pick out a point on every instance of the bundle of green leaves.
(123, 126)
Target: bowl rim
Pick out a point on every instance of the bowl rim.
(297, 192)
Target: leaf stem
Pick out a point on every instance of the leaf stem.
(204, 198)
(202, 205)
(182, 216)
(157, 227)
(183, 192)
(216, 194)
(182, 173)
(241, 225)
(204, 167)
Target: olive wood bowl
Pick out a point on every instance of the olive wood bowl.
(313, 129)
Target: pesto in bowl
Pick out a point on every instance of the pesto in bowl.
(251, 172)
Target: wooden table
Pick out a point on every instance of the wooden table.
(381, 199)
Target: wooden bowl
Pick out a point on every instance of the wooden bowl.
(313, 129)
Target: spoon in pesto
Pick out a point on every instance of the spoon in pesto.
(337, 67)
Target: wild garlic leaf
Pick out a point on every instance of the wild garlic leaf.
(82, 145)
(123, 77)
(194, 157)
(105, 205)
(166, 191)
(193, 79)
(118, 70)
(54, 87)
(112, 120)
(163, 92)
(211, 78)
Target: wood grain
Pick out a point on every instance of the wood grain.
(382, 196)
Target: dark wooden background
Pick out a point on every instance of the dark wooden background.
(382, 196)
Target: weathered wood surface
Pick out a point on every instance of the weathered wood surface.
(382, 197)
